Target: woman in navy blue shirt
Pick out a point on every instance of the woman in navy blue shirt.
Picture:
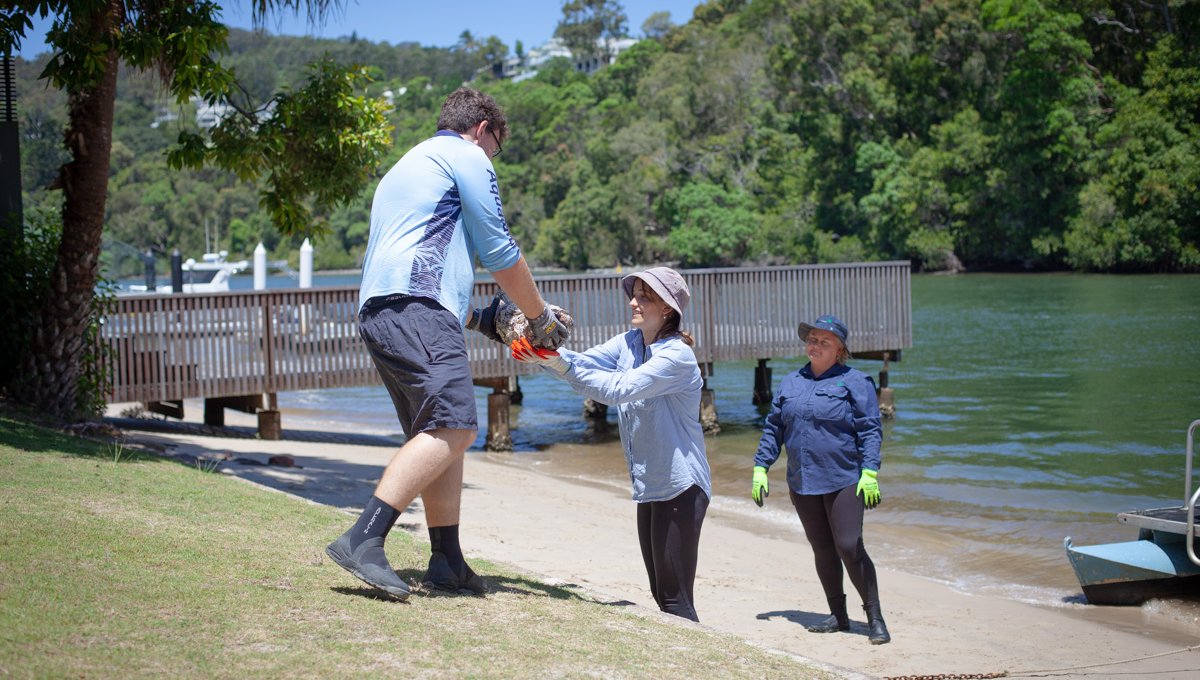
(827, 417)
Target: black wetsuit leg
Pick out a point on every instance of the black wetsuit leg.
(669, 534)
(833, 524)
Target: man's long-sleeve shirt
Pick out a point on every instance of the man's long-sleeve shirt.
(432, 213)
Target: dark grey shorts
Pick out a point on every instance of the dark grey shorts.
(419, 351)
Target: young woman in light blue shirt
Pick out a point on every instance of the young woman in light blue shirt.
(650, 374)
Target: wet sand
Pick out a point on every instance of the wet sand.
(761, 587)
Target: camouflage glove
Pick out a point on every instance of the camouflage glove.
(547, 331)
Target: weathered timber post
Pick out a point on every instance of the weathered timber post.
(762, 383)
(148, 272)
(270, 421)
(708, 404)
(595, 415)
(176, 271)
(887, 400)
(594, 410)
(515, 395)
(498, 436)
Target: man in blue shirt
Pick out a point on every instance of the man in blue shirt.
(433, 213)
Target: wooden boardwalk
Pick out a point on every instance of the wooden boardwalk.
(166, 348)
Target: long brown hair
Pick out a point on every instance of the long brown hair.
(671, 327)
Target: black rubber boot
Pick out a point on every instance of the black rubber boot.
(838, 620)
(878, 629)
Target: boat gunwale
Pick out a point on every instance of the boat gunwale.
(1150, 518)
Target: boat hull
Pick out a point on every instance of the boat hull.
(1132, 572)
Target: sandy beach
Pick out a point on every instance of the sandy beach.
(761, 588)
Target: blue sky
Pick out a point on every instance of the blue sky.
(425, 22)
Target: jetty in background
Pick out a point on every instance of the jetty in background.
(240, 349)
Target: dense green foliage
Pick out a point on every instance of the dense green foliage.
(1004, 134)
(313, 145)
(29, 256)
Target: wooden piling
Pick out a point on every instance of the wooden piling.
(594, 410)
(708, 403)
(498, 437)
(270, 421)
(887, 400)
(270, 425)
(498, 434)
(762, 383)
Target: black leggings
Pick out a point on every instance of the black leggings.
(669, 532)
(833, 524)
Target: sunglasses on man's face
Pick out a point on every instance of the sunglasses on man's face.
(496, 138)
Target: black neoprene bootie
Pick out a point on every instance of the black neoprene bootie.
(368, 563)
(838, 620)
(878, 634)
(441, 576)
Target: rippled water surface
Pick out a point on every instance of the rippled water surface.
(1031, 407)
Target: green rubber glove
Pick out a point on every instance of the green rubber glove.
(758, 487)
(868, 488)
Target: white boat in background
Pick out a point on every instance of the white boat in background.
(209, 275)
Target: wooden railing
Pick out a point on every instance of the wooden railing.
(173, 347)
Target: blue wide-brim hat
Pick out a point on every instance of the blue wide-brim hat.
(826, 322)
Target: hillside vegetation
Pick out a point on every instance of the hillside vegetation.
(1001, 135)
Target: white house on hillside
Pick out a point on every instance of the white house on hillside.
(208, 115)
(522, 68)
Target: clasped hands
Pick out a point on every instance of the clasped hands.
(545, 330)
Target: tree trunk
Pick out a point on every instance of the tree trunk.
(54, 363)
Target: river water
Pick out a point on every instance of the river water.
(1030, 408)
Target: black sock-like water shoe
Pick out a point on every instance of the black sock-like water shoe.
(441, 576)
(369, 564)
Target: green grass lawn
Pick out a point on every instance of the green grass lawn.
(115, 563)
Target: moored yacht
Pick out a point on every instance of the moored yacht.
(209, 275)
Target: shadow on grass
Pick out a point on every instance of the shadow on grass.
(323, 476)
(367, 592)
(499, 585)
(807, 619)
(26, 431)
(241, 432)
(518, 585)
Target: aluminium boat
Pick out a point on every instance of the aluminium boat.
(1162, 562)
